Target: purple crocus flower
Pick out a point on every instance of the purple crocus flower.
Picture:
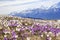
(26, 34)
(5, 38)
(13, 33)
(42, 28)
(12, 23)
(57, 30)
(33, 32)
(30, 28)
(22, 29)
(46, 28)
(54, 30)
(47, 38)
(36, 27)
(6, 31)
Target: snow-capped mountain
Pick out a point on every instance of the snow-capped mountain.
(52, 13)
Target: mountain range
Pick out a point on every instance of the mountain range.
(53, 13)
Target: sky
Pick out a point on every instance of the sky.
(8, 6)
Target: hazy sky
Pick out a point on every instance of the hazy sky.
(7, 6)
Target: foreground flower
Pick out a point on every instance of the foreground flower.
(12, 23)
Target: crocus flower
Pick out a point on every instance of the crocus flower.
(36, 28)
(54, 30)
(12, 23)
(13, 33)
(6, 31)
(30, 28)
(33, 32)
(46, 28)
(5, 38)
(22, 29)
(48, 38)
(26, 34)
(42, 28)
(57, 30)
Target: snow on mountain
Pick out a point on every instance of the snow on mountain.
(52, 13)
